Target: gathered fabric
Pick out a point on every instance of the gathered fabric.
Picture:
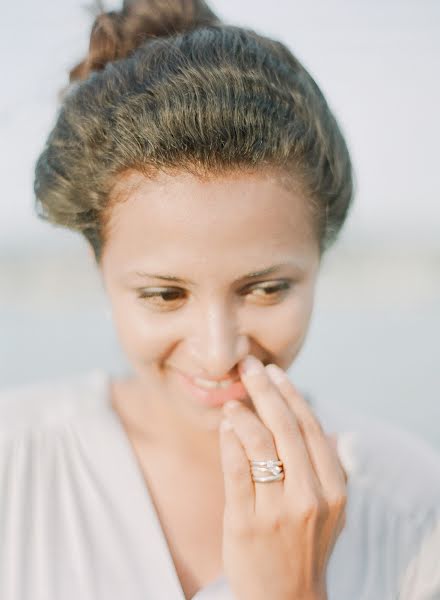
(77, 519)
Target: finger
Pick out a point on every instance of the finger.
(259, 444)
(281, 421)
(333, 439)
(238, 484)
(325, 461)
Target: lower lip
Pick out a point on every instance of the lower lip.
(214, 397)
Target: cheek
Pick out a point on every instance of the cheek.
(146, 336)
(140, 333)
(285, 330)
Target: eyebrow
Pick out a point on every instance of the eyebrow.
(251, 275)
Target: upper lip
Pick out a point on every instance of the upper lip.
(216, 379)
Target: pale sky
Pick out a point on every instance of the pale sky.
(377, 62)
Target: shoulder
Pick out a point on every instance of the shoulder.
(47, 403)
(393, 502)
(386, 460)
(421, 577)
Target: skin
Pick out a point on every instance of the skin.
(278, 536)
(212, 232)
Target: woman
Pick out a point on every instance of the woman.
(207, 172)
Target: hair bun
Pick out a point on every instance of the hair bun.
(116, 34)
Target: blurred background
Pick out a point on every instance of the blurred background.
(373, 345)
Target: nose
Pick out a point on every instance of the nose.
(215, 342)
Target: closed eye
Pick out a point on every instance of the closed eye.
(166, 294)
(169, 295)
(272, 289)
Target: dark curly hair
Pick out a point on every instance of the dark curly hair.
(167, 86)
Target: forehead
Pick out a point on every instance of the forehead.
(185, 216)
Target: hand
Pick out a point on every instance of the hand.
(278, 536)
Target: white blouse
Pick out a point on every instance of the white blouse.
(77, 521)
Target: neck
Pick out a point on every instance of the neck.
(154, 424)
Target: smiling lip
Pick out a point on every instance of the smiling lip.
(214, 397)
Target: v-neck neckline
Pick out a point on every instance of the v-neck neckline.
(150, 526)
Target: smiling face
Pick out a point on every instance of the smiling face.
(208, 235)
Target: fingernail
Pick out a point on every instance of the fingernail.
(230, 405)
(275, 373)
(251, 365)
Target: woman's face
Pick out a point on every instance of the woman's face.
(176, 265)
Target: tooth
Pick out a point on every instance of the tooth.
(204, 383)
(225, 384)
(212, 384)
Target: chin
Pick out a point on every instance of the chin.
(204, 420)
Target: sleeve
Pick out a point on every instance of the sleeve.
(421, 578)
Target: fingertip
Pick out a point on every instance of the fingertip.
(276, 374)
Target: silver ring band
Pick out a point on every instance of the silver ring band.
(266, 463)
(268, 479)
(272, 470)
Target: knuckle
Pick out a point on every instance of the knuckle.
(238, 526)
(343, 475)
(312, 509)
(284, 519)
(254, 438)
(261, 443)
(264, 384)
(310, 512)
(311, 426)
(338, 502)
(276, 521)
(288, 427)
(343, 520)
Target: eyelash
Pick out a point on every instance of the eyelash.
(278, 289)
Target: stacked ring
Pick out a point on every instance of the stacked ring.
(273, 467)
